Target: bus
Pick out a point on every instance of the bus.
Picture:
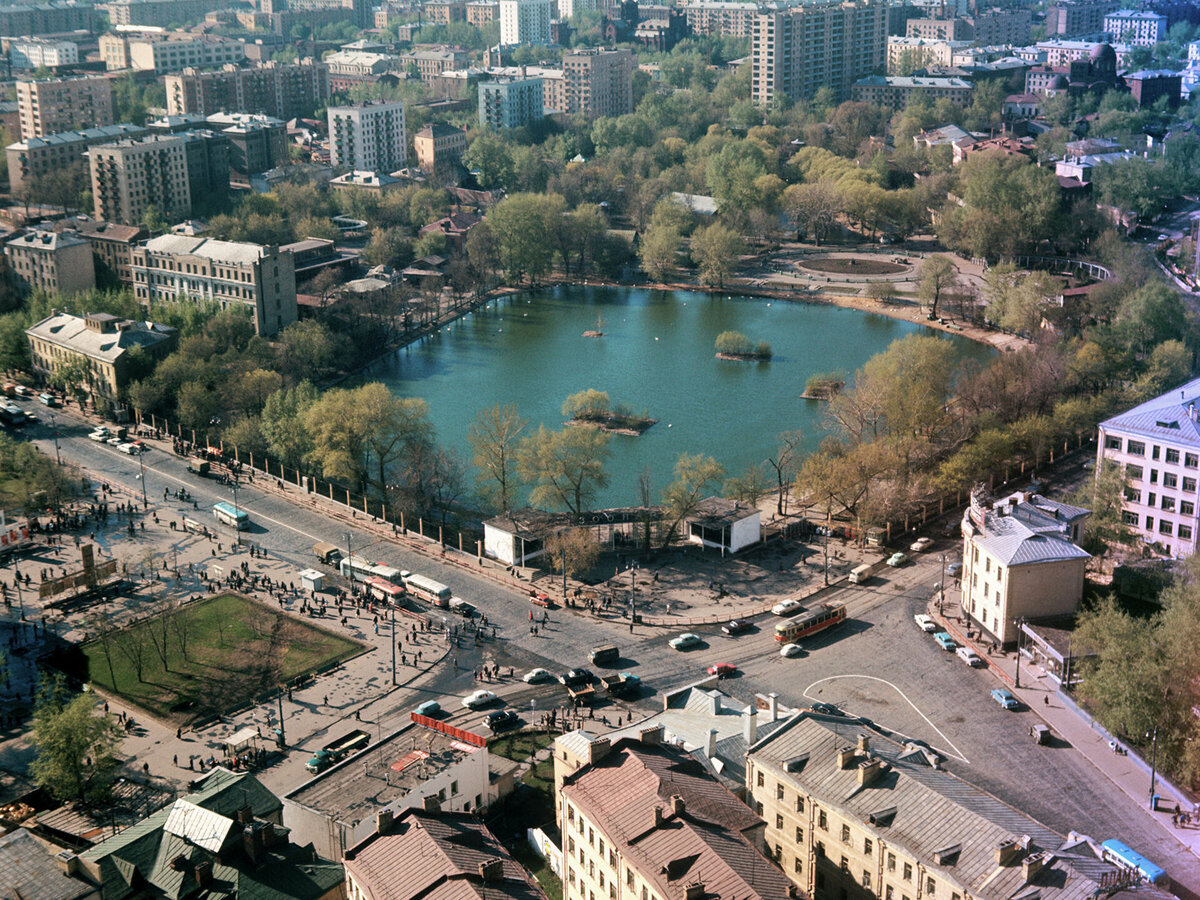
(382, 589)
(1118, 854)
(355, 566)
(427, 589)
(395, 576)
(234, 516)
(811, 622)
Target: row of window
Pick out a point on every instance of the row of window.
(1138, 448)
(1166, 527)
(1169, 479)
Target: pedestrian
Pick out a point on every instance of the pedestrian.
(175, 760)
(1046, 699)
(325, 702)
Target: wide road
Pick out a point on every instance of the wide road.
(878, 665)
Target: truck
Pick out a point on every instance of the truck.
(335, 751)
(198, 466)
(619, 685)
(327, 553)
(581, 693)
(608, 655)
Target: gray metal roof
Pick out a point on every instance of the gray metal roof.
(1168, 417)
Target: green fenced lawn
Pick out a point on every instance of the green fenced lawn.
(220, 653)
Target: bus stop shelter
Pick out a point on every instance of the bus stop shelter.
(312, 580)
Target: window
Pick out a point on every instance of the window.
(1154, 451)
(1112, 443)
(779, 792)
(1133, 495)
(612, 858)
(1168, 504)
(1130, 518)
(1169, 479)
(1171, 456)
(822, 822)
(601, 848)
(844, 865)
(887, 893)
(930, 887)
(1135, 448)
(570, 875)
(1185, 532)
(799, 804)
(955, 896)
(866, 879)
(1191, 460)
(891, 862)
(1154, 476)
(761, 780)
(1133, 472)
(778, 821)
(629, 879)
(570, 845)
(799, 866)
(1149, 523)
(819, 848)
(570, 813)
(799, 835)
(845, 834)
(908, 871)
(1164, 527)
(1189, 484)
(591, 837)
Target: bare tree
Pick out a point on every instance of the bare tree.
(132, 644)
(786, 463)
(181, 625)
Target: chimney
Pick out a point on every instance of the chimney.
(864, 743)
(204, 873)
(1031, 865)
(252, 843)
(845, 757)
(1007, 852)
(69, 862)
(869, 771)
(695, 891)
(431, 803)
(598, 749)
(774, 699)
(244, 814)
(676, 806)
(491, 870)
(383, 821)
(750, 725)
(651, 737)
(658, 817)
(712, 743)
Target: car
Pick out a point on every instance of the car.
(722, 670)
(736, 626)
(786, 608)
(790, 650)
(478, 699)
(533, 676)
(21, 391)
(500, 719)
(954, 570)
(115, 441)
(897, 559)
(827, 709)
(925, 623)
(1004, 697)
(970, 657)
(100, 435)
(428, 708)
(1163, 237)
(141, 447)
(685, 641)
(945, 641)
(128, 448)
(920, 545)
(575, 677)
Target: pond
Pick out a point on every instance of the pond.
(656, 355)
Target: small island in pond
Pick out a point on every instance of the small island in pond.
(598, 331)
(824, 386)
(735, 345)
(593, 408)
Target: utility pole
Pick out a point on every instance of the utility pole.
(942, 588)
(563, 548)
(141, 477)
(392, 641)
(236, 512)
(349, 561)
(1153, 765)
(54, 425)
(282, 737)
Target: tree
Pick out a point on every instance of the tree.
(813, 208)
(490, 156)
(493, 436)
(715, 250)
(749, 487)
(522, 224)
(76, 749)
(1105, 497)
(659, 251)
(785, 464)
(937, 275)
(574, 548)
(590, 405)
(566, 467)
(694, 477)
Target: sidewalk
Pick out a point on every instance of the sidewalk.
(1041, 695)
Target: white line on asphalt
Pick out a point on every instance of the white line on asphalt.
(957, 754)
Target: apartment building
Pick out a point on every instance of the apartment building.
(1078, 18)
(908, 53)
(1021, 560)
(568, 8)
(159, 13)
(722, 18)
(162, 53)
(128, 177)
(100, 341)
(439, 148)
(598, 82)
(993, 27)
(896, 91)
(280, 90)
(56, 105)
(482, 12)
(446, 12)
(58, 17)
(112, 244)
(31, 159)
(797, 50)
(525, 22)
(431, 62)
(644, 820)
(368, 137)
(1141, 29)
(510, 102)
(37, 53)
(256, 143)
(852, 813)
(59, 264)
(1157, 445)
(259, 277)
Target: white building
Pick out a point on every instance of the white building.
(1142, 29)
(524, 22)
(34, 53)
(1157, 444)
(568, 8)
(1194, 52)
(368, 137)
(725, 525)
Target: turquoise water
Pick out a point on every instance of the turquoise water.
(657, 355)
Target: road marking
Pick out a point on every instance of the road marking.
(957, 754)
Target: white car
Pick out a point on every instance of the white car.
(969, 656)
(920, 545)
(478, 699)
(925, 623)
(115, 441)
(131, 449)
(99, 435)
(685, 641)
(791, 650)
(786, 607)
(533, 676)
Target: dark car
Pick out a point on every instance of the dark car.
(736, 626)
(827, 708)
(500, 719)
(576, 677)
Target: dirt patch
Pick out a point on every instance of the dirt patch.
(847, 266)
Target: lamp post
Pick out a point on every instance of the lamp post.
(1153, 765)
(54, 425)
(237, 526)
(349, 560)
(942, 588)
(1020, 623)
(392, 641)
(563, 551)
(142, 478)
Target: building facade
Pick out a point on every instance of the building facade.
(56, 105)
(55, 263)
(31, 159)
(510, 102)
(259, 277)
(58, 17)
(1141, 29)
(37, 53)
(895, 91)
(162, 53)
(128, 177)
(439, 148)
(159, 13)
(723, 18)
(798, 50)
(112, 244)
(1078, 18)
(432, 62)
(257, 143)
(280, 90)
(904, 54)
(369, 137)
(524, 22)
(598, 82)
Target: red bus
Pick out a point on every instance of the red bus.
(382, 589)
(807, 623)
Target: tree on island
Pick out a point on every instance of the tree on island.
(737, 345)
(76, 748)
(590, 405)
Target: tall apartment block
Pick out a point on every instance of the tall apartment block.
(170, 52)
(1142, 29)
(599, 82)
(129, 177)
(1077, 18)
(48, 18)
(64, 104)
(510, 102)
(524, 22)
(32, 158)
(798, 49)
(34, 53)
(159, 13)
(280, 90)
(369, 137)
(728, 18)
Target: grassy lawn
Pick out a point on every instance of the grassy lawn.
(220, 653)
(539, 869)
(519, 747)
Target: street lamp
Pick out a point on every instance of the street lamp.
(392, 641)
(1153, 764)
(942, 588)
(349, 560)
(1020, 624)
(237, 513)
(142, 479)
(54, 425)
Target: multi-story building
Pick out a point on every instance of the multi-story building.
(112, 244)
(904, 54)
(598, 82)
(59, 17)
(896, 91)
(990, 28)
(162, 53)
(253, 275)
(482, 12)
(128, 177)
(510, 102)
(1142, 29)
(256, 143)
(642, 819)
(439, 148)
(37, 53)
(946, 29)
(1157, 446)
(1021, 560)
(59, 264)
(369, 137)
(433, 61)
(56, 105)
(1077, 18)
(850, 812)
(31, 159)
(101, 342)
(159, 13)
(831, 44)
(445, 12)
(524, 22)
(1148, 86)
(724, 18)
(280, 90)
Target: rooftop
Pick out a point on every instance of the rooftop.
(87, 135)
(226, 252)
(1172, 417)
(1025, 529)
(911, 81)
(716, 511)
(48, 241)
(72, 332)
(28, 871)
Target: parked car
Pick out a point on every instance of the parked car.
(970, 657)
(790, 650)
(736, 626)
(787, 607)
(1004, 697)
(920, 545)
(722, 670)
(925, 623)
(428, 708)
(945, 641)
(685, 641)
(827, 709)
(953, 570)
(100, 435)
(897, 559)
(576, 677)
(533, 676)
(500, 720)
(115, 441)
(128, 448)
(478, 699)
